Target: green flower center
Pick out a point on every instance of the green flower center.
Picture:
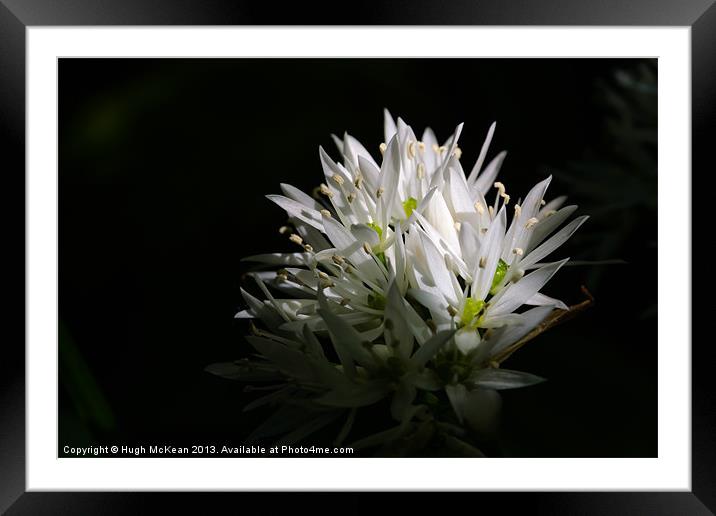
(375, 227)
(409, 206)
(473, 308)
(499, 275)
(376, 301)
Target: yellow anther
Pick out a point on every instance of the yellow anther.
(421, 170)
(325, 190)
(531, 222)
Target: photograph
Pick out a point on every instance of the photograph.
(357, 257)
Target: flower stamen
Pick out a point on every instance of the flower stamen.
(421, 170)
(325, 190)
(531, 223)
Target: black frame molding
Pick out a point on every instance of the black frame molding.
(17, 15)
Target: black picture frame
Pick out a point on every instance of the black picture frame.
(17, 15)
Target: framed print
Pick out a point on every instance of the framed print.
(423, 253)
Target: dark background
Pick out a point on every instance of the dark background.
(162, 169)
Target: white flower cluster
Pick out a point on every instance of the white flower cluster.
(415, 277)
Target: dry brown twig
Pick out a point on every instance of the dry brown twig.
(556, 317)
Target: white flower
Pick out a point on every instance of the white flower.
(418, 282)
(350, 234)
(479, 280)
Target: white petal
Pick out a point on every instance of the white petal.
(439, 217)
(402, 400)
(433, 301)
(553, 243)
(483, 153)
(490, 250)
(508, 335)
(290, 361)
(338, 142)
(428, 350)
(417, 326)
(442, 277)
(298, 210)
(265, 312)
(504, 379)
(389, 177)
(422, 206)
(500, 321)
(516, 294)
(430, 157)
(487, 177)
(316, 323)
(295, 307)
(363, 233)
(297, 195)
(467, 340)
(353, 149)
(357, 395)
(438, 178)
(457, 394)
(548, 224)
(372, 334)
(542, 300)
(398, 259)
(469, 245)
(371, 175)
(389, 128)
(554, 204)
(530, 207)
(346, 340)
(330, 170)
(459, 193)
(397, 332)
(350, 247)
(311, 235)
